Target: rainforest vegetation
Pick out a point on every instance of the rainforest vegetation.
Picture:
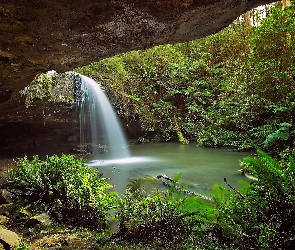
(235, 88)
(260, 215)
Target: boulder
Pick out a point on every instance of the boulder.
(5, 197)
(6, 208)
(38, 219)
(9, 239)
(3, 220)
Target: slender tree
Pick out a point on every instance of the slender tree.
(247, 23)
(286, 3)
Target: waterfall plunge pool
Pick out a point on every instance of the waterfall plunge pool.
(100, 128)
(200, 167)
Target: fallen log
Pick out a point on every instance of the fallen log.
(178, 187)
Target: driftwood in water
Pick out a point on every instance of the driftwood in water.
(165, 177)
(177, 187)
(232, 188)
(248, 174)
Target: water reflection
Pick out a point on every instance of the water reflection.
(200, 167)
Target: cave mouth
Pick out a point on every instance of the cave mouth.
(37, 37)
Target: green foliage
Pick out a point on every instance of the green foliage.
(260, 215)
(282, 133)
(23, 246)
(217, 91)
(161, 218)
(52, 87)
(273, 136)
(60, 185)
(234, 88)
(136, 186)
(223, 89)
(215, 137)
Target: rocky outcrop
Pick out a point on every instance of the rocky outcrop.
(38, 36)
(38, 219)
(41, 35)
(8, 238)
(18, 226)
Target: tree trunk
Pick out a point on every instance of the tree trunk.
(286, 3)
(247, 24)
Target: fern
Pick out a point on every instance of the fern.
(266, 168)
(282, 133)
(136, 185)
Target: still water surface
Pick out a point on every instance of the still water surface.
(200, 167)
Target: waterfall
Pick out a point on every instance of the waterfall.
(100, 131)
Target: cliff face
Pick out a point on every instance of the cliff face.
(41, 35)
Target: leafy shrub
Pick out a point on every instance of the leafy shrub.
(23, 246)
(274, 136)
(262, 214)
(219, 87)
(66, 187)
(160, 219)
(282, 133)
(52, 87)
(214, 137)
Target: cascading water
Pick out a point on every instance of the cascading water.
(99, 126)
(100, 131)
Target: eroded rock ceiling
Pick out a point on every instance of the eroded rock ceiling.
(41, 35)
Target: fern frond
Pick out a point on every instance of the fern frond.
(136, 184)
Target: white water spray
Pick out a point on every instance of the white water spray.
(100, 130)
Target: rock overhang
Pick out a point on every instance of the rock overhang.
(41, 35)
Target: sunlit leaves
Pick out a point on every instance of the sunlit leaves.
(263, 218)
(161, 219)
(52, 87)
(63, 183)
(220, 87)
